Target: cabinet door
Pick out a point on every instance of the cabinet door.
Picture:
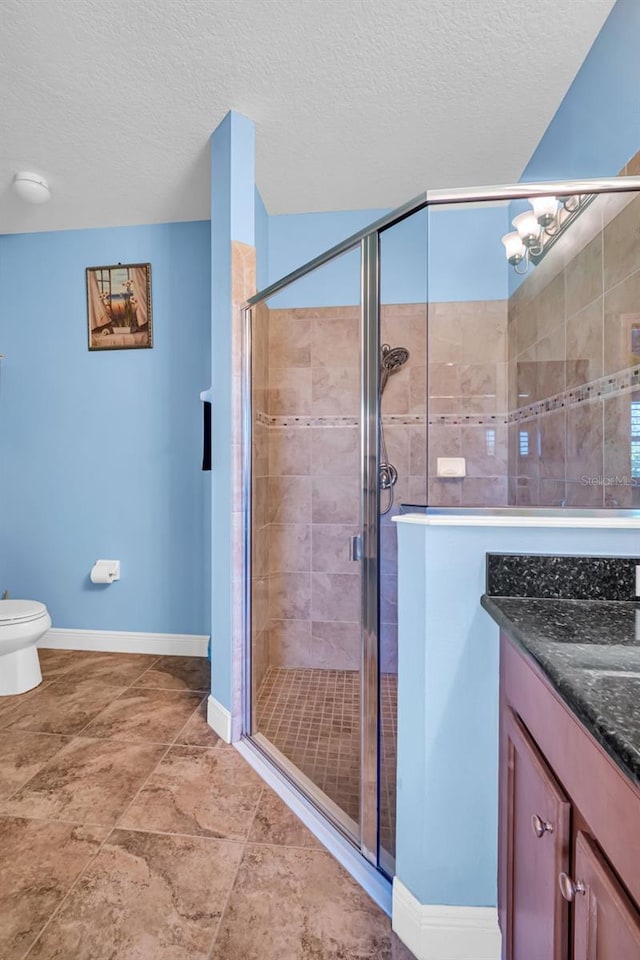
(537, 851)
(606, 923)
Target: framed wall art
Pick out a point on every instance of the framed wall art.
(119, 306)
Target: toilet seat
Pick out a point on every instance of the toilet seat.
(20, 611)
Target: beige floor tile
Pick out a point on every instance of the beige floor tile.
(88, 781)
(197, 732)
(118, 669)
(38, 864)
(275, 823)
(22, 754)
(299, 904)
(63, 706)
(211, 793)
(150, 715)
(158, 886)
(178, 673)
(9, 705)
(144, 897)
(54, 663)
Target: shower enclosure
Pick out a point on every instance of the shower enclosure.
(365, 371)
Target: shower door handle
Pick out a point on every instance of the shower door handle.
(355, 547)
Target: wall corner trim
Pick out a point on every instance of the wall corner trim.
(445, 933)
(123, 641)
(219, 719)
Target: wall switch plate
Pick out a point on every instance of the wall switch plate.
(451, 467)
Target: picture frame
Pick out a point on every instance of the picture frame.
(119, 307)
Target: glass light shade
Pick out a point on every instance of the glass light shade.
(570, 202)
(514, 247)
(527, 225)
(544, 208)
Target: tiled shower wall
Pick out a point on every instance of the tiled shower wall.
(311, 411)
(314, 593)
(574, 365)
(468, 401)
(309, 420)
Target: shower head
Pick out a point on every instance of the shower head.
(391, 359)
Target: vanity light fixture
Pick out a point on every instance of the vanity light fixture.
(537, 229)
(31, 187)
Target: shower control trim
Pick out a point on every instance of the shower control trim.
(451, 467)
(355, 548)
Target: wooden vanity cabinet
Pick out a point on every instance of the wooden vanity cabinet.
(538, 836)
(569, 830)
(606, 925)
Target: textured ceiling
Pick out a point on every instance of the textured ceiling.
(358, 103)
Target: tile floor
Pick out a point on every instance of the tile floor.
(129, 831)
(313, 718)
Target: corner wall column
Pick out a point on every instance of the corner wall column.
(233, 280)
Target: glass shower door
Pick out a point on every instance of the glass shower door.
(499, 377)
(305, 547)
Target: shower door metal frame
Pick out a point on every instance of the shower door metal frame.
(366, 836)
(368, 240)
(369, 531)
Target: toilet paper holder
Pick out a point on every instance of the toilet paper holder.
(105, 571)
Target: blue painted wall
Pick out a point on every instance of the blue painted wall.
(101, 452)
(465, 256)
(232, 218)
(448, 701)
(262, 241)
(596, 128)
(294, 239)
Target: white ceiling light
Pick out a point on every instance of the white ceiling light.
(545, 209)
(31, 187)
(539, 228)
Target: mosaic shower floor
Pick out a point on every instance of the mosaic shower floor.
(313, 718)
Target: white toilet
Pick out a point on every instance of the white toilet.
(22, 624)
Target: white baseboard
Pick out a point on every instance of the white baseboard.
(122, 641)
(219, 719)
(445, 933)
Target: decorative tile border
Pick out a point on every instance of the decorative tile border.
(404, 419)
(616, 383)
(473, 420)
(269, 421)
(392, 419)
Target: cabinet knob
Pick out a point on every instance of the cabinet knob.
(540, 826)
(569, 887)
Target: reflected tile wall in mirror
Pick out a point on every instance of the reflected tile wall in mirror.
(574, 365)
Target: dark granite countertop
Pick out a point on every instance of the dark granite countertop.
(590, 652)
